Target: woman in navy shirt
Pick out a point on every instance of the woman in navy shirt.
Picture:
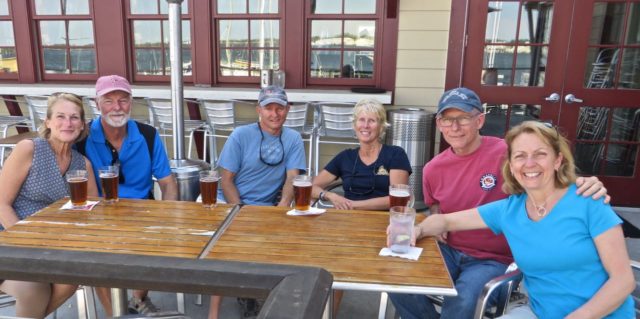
(366, 171)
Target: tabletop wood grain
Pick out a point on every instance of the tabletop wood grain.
(346, 243)
(142, 227)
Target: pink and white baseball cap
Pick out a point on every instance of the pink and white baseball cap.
(110, 83)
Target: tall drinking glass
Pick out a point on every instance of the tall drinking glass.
(401, 222)
(209, 188)
(109, 182)
(77, 180)
(302, 192)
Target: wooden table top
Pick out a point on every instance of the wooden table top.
(14, 139)
(346, 243)
(141, 227)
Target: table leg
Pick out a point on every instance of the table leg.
(119, 302)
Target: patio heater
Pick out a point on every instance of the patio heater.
(185, 171)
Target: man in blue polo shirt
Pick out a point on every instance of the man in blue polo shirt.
(115, 139)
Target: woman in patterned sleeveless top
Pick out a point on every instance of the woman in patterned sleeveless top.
(33, 178)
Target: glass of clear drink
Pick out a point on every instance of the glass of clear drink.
(401, 222)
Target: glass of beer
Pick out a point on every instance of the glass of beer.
(400, 195)
(302, 192)
(77, 180)
(209, 188)
(401, 222)
(109, 182)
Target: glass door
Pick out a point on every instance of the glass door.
(543, 60)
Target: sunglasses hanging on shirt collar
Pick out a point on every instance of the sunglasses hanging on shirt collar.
(115, 161)
(270, 150)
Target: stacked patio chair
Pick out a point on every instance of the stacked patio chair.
(334, 125)
(221, 118)
(297, 120)
(161, 114)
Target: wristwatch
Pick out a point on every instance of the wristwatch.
(321, 196)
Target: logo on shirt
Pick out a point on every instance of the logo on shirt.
(488, 181)
(382, 171)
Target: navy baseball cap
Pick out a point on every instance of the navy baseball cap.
(272, 94)
(462, 99)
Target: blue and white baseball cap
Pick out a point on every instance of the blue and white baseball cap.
(272, 94)
(462, 99)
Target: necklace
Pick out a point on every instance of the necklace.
(541, 210)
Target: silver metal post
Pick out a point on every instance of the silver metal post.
(119, 302)
(175, 56)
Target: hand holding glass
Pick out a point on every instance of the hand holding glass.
(209, 188)
(302, 192)
(401, 222)
(109, 182)
(77, 180)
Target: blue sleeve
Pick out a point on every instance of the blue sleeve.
(400, 160)
(491, 214)
(600, 217)
(160, 161)
(230, 154)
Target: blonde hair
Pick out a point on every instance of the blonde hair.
(45, 132)
(566, 173)
(372, 106)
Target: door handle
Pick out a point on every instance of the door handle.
(553, 98)
(570, 98)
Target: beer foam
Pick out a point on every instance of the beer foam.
(209, 179)
(399, 193)
(108, 175)
(77, 179)
(302, 183)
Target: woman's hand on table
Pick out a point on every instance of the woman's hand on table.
(339, 202)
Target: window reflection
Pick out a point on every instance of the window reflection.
(516, 59)
(633, 24)
(76, 7)
(248, 46)
(6, 34)
(263, 6)
(55, 61)
(326, 33)
(359, 6)
(326, 6)
(48, 7)
(499, 118)
(81, 33)
(151, 43)
(620, 147)
(232, 6)
(630, 69)
(4, 7)
(83, 60)
(535, 22)
(143, 6)
(502, 19)
(359, 34)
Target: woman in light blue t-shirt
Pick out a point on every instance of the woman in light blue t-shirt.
(570, 249)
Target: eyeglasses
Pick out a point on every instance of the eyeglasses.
(463, 120)
(368, 180)
(270, 150)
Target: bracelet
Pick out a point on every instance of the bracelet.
(321, 196)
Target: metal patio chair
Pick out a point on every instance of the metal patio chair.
(297, 120)
(333, 125)
(37, 109)
(161, 115)
(221, 118)
(92, 107)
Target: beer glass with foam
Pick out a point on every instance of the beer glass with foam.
(109, 181)
(77, 180)
(400, 195)
(209, 187)
(302, 192)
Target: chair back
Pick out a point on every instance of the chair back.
(91, 107)
(336, 119)
(161, 113)
(37, 109)
(297, 117)
(220, 114)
